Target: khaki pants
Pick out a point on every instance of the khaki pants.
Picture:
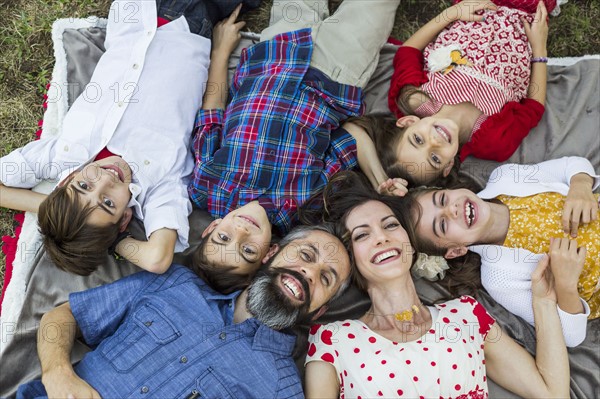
(346, 44)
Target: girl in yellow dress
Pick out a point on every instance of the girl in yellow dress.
(524, 212)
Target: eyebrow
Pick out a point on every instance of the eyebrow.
(100, 204)
(410, 140)
(242, 254)
(334, 273)
(314, 248)
(434, 218)
(366, 225)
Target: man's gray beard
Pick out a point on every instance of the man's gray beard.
(268, 304)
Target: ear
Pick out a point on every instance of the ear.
(406, 121)
(125, 219)
(272, 251)
(448, 168)
(319, 313)
(455, 252)
(209, 229)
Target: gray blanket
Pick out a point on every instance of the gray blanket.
(570, 127)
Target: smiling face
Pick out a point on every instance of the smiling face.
(104, 184)
(428, 147)
(380, 245)
(241, 239)
(320, 263)
(298, 280)
(454, 218)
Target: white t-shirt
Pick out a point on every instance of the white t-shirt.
(141, 104)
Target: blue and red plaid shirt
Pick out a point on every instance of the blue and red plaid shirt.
(279, 140)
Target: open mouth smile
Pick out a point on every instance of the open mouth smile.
(469, 213)
(250, 220)
(443, 132)
(385, 256)
(116, 171)
(292, 287)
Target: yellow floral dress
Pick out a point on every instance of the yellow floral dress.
(536, 219)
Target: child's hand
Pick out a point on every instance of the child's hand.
(395, 186)
(537, 32)
(566, 262)
(581, 206)
(542, 281)
(466, 10)
(226, 34)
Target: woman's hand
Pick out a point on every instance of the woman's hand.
(226, 34)
(581, 206)
(468, 10)
(395, 186)
(537, 31)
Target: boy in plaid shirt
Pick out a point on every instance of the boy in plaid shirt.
(279, 140)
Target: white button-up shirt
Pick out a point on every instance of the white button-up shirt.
(140, 103)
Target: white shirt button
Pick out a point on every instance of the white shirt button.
(120, 103)
(66, 148)
(146, 162)
(135, 66)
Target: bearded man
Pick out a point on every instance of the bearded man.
(171, 335)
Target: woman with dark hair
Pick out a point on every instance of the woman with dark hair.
(402, 348)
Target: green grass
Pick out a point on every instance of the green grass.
(26, 55)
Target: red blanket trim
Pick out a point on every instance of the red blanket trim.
(9, 247)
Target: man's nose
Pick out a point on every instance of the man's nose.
(309, 273)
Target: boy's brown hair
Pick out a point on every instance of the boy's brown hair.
(220, 278)
(73, 244)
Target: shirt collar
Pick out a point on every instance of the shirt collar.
(265, 338)
(135, 190)
(216, 296)
(428, 108)
(268, 340)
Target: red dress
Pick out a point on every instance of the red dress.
(495, 81)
